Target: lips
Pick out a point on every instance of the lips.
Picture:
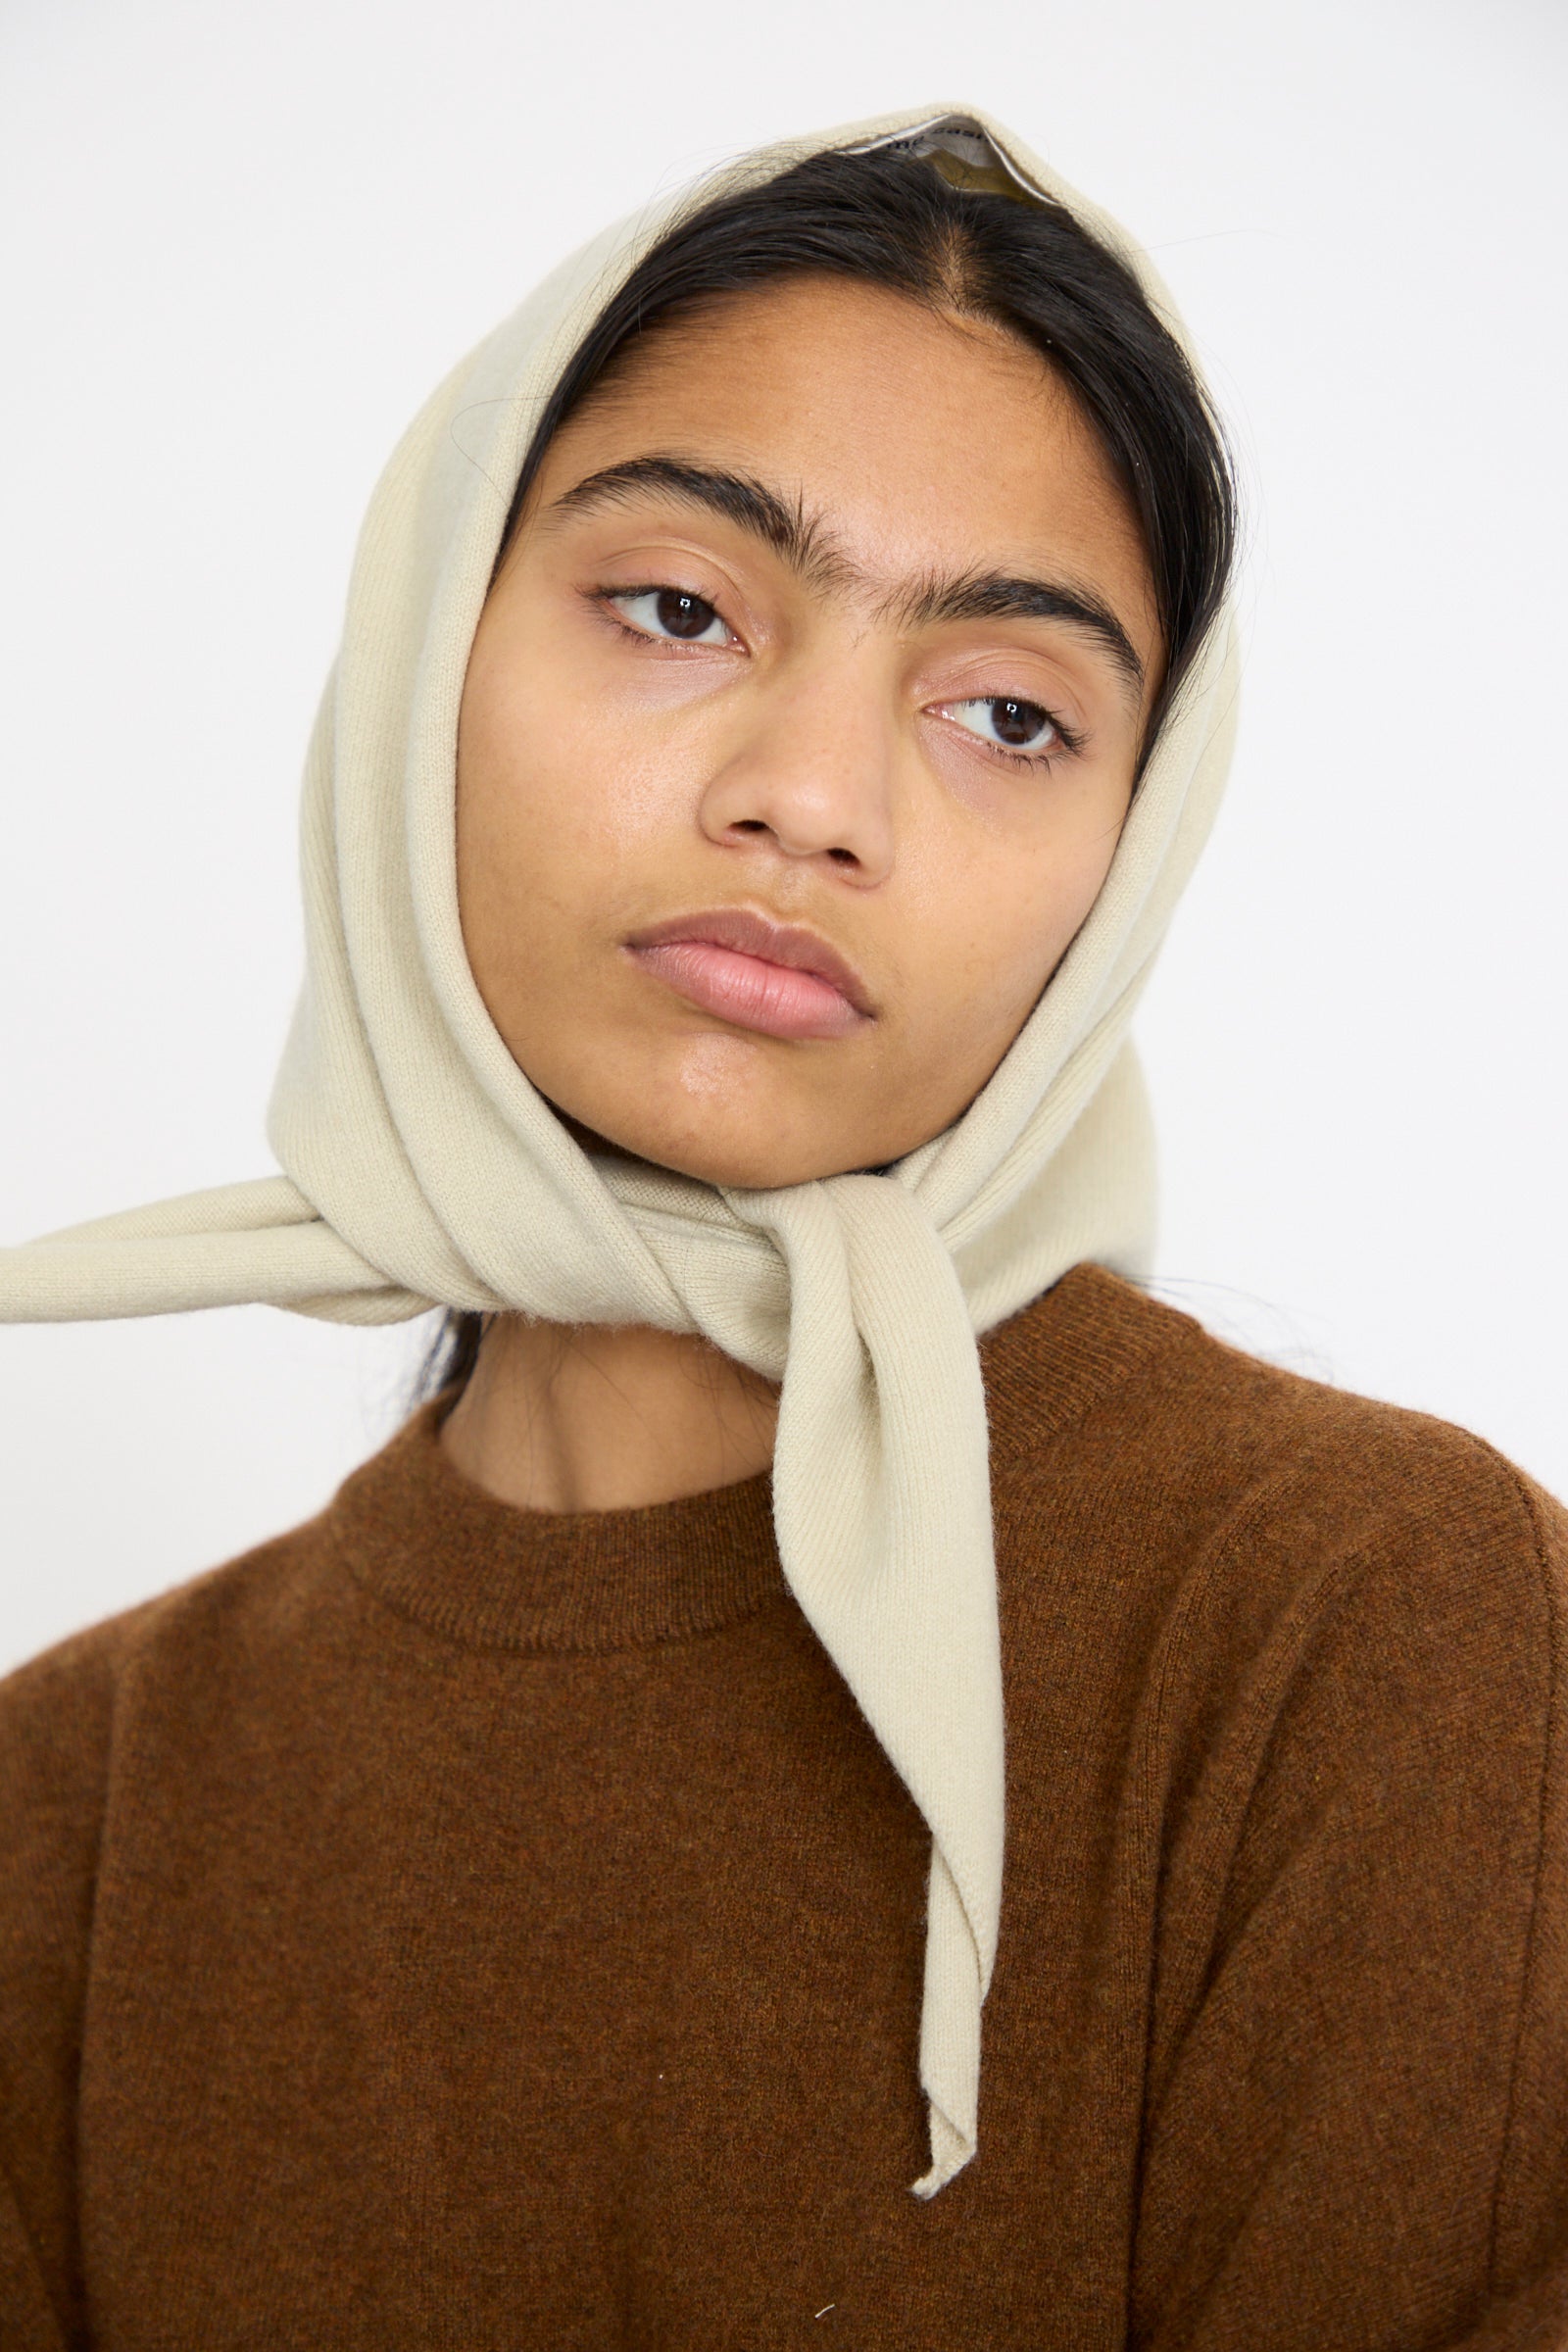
(755, 974)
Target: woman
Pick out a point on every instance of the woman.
(554, 1896)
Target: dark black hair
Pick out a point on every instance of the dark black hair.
(963, 238)
(904, 223)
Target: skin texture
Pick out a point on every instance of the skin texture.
(830, 753)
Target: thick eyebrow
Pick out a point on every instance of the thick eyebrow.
(808, 547)
(997, 596)
(789, 530)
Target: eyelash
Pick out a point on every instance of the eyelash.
(607, 599)
(1069, 740)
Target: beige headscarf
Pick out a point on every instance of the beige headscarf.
(422, 1168)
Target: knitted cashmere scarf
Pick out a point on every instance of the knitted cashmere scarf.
(421, 1168)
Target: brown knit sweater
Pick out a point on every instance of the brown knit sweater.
(458, 1927)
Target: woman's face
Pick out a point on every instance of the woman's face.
(799, 729)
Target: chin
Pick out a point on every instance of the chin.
(744, 1162)
(713, 1110)
(740, 1167)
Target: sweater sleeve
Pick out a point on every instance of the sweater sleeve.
(28, 2319)
(1357, 2132)
(54, 1721)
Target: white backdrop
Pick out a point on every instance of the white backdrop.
(240, 245)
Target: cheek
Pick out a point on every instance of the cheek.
(995, 921)
(557, 795)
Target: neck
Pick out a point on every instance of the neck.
(593, 1418)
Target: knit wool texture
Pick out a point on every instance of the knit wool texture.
(420, 1168)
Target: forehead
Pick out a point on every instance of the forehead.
(928, 438)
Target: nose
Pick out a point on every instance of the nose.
(812, 775)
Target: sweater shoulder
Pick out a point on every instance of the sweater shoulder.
(62, 1712)
(72, 1723)
(1215, 1438)
(1232, 1505)
(1357, 1473)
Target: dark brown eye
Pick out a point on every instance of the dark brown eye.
(1012, 726)
(683, 616)
(1017, 724)
(672, 613)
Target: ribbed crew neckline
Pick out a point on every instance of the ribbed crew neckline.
(486, 1574)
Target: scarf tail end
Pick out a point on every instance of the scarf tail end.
(950, 2151)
